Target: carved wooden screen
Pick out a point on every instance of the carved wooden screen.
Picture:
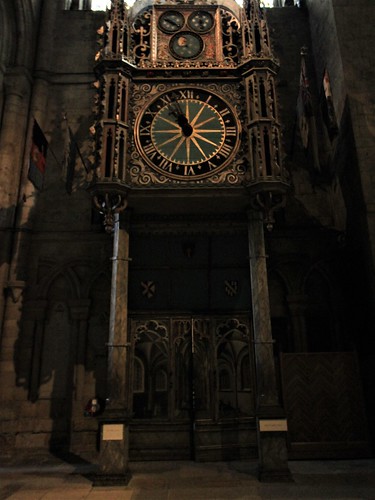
(323, 401)
(192, 381)
(207, 359)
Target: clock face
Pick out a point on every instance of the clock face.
(201, 21)
(171, 21)
(186, 45)
(187, 133)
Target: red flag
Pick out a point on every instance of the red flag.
(38, 153)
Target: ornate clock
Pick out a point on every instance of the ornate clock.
(187, 133)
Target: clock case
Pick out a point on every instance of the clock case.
(158, 71)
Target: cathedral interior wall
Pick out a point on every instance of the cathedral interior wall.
(54, 357)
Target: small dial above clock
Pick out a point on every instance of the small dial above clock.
(171, 21)
(201, 21)
(186, 45)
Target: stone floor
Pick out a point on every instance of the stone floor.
(55, 479)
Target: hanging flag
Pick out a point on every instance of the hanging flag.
(304, 106)
(305, 114)
(71, 152)
(38, 153)
(328, 110)
(70, 161)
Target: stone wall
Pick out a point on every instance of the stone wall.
(350, 60)
(60, 268)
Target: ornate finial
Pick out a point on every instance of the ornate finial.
(268, 202)
(108, 205)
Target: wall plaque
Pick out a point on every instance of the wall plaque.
(273, 425)
(113, 432)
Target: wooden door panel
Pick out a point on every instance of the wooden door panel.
(324, 405)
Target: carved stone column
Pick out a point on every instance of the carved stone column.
(79, 311)
(17, 94)
(38, 309)
(273, 458)
(13, 129)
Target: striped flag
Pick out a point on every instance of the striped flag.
(72, 151)
(38, 154)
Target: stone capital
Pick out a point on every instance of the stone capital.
(15, 290)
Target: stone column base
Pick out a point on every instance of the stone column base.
(273, 453)
(101, 479)
(275, 476)
(114, 454)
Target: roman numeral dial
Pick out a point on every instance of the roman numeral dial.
(187, 133)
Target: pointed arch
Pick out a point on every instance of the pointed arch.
(67, 274)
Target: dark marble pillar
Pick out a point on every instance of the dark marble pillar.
(114, 431)
(273, 460)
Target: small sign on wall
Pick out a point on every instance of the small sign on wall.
(273, 425)
(113, 432)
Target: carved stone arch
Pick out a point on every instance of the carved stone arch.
(293, 269)
(320, 268)
(84, 274)
(68, 275)
(102, 274)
